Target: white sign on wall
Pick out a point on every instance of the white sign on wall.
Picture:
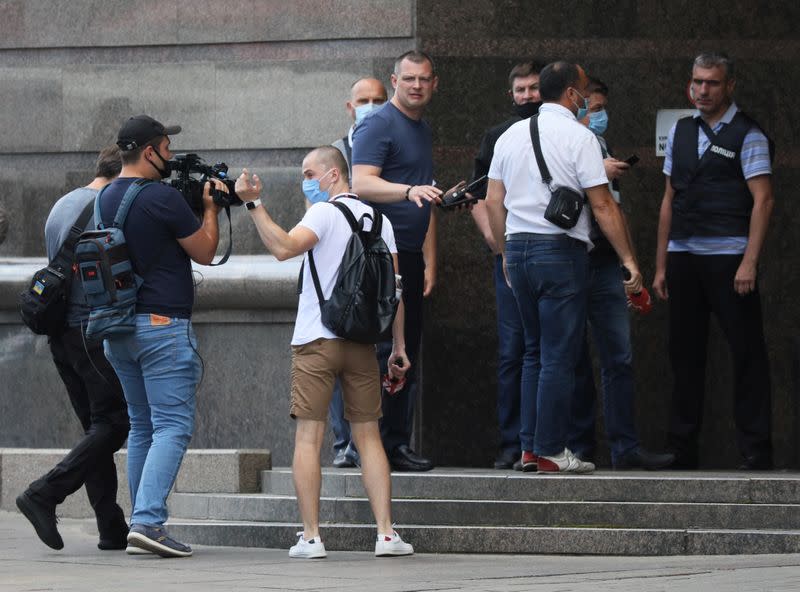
(665, 119)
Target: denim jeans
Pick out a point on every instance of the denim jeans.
(609, 320)
(548, 277)
(339, 425)
(510, 351)
(159, 370)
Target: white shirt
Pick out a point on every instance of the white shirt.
(573, 156)
(333, 231)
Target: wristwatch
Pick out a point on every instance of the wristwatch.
(252, 205)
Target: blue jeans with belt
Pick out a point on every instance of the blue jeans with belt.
(548, 277)
(609, 320)
(159, 369)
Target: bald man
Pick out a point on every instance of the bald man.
(366, 95)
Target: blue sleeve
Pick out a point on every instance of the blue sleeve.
(372, 142)
(755, 154)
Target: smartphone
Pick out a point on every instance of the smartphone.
(631, 160)
(459, 198)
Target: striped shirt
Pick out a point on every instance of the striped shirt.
(755, 161)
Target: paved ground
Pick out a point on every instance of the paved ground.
(27, 565)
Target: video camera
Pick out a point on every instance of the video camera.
(192, 174)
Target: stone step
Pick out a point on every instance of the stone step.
(525, 540)
(483, 484)
(490, 513)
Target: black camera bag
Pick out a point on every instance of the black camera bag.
(565, 206)
(43, 305)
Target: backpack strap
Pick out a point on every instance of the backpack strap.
(354, 226)
(127, 200)
(64, 257)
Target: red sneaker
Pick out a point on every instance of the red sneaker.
(530, 461)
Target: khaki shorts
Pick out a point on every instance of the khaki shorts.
(315, 367)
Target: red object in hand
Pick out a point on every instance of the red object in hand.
(393, 385)
(640, 302)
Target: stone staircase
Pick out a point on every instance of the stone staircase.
(485, 511)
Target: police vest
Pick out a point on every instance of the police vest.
(711, 194)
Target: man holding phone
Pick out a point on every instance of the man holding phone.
(609, 319)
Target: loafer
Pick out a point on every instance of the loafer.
(43, 517)
(403, 458)
(642, 459)
(507, 458)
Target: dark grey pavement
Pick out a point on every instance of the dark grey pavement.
(27, 565)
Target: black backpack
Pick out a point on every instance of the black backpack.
(43, 305)
(363, 302)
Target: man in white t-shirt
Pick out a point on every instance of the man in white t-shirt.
(319, 357)
(547, 265)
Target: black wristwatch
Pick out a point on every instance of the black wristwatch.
(252, 205)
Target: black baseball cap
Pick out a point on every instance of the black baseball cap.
(139, 130)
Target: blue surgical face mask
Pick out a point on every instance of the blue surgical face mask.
(363, 110)
(582, 111)
(312, 191)
(598, 122)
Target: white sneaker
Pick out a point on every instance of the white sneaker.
(566, 462)
(308, 549)
(388, 545)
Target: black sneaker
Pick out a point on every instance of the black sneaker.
(507, 458)
(43, 517)
(156, 540)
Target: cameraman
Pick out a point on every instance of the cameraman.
(158, 365)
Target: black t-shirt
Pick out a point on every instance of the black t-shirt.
(158, 217)
(486, 151)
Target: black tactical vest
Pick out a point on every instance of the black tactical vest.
(711, 193)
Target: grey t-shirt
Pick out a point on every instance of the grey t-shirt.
(62, 217)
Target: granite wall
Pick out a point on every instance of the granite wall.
(643, 51)
(257, 82)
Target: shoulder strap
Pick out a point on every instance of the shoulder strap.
(354, 226)
(351, 219)
(127, 200)
(63, 258)
(537, 150)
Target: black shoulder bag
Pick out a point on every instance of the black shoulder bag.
(565, 206)
(43, 304)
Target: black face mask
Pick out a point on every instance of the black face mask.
(527, 110)
(165, 172)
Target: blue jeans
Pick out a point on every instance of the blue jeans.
(609, 320)
(159, 370)
(548, 276)
(339, 425)
(510, 351)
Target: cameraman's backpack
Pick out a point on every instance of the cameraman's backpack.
(106, 271)
(363, 302)
(43, 305)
